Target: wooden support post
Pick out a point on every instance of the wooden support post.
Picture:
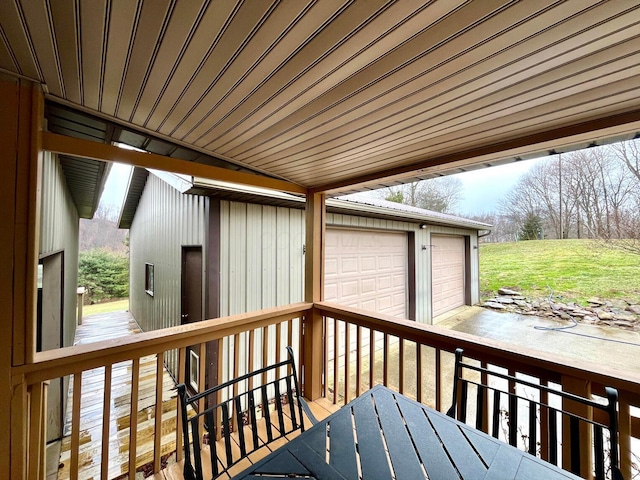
(157, 439)
(624, 435)
(21, 114)
(312, 364)
(582, 388)
(80, 303)
(36, 441)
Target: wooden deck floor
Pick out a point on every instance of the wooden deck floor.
(102, 327)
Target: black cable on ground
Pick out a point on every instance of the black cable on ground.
(566, 327)
(575, 324)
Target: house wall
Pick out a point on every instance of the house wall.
(261, 259)
(165, 221)
(422, 257)
(59, 230)
(261, 266)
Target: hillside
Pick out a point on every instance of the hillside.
(574, 269)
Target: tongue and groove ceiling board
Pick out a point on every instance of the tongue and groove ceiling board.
(338, 94)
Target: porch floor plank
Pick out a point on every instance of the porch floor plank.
(103, 327)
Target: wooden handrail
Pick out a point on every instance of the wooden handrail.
(66, 361)
(526, 359)
(546, 366)
(582, 376)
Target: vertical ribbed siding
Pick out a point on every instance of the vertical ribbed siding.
(423, 257)
(59, 230)
(165, 221)
(261, 266)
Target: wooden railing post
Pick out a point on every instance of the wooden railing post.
(313, 350)
(624, 437)
(80, 303)
(312, 364)
(581, 387)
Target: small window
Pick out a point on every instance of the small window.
(148, 278)
(194, 369)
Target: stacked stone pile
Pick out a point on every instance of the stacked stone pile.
(616, 313)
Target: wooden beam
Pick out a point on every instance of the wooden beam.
(314, 278)
(536, 143)
(314, 246)
(99, 151)
(21, 114)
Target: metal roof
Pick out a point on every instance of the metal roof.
(136, 184)
(359, 204)
(85, 178)
(340, 95)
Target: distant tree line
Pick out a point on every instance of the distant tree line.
(102, 231)
(591, 193)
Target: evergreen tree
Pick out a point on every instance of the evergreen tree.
(105, 274)
(531, 228)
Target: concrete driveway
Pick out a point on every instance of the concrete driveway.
(612, 347)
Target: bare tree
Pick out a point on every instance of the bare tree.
(592, 193)
(439, 194)
(102, 231)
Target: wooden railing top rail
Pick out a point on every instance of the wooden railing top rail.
(61, 362)
(65, 361)
(492, 351)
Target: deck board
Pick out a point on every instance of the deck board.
(112, 326)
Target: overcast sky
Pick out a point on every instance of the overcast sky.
(483, 188)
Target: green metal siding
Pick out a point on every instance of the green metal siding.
(262, 266)
(59, 229)
(165, 221)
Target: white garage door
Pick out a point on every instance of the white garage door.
(367, 269)
(447, 261)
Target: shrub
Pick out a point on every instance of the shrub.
(104, 274)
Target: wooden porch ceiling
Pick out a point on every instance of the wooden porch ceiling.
(337, 94)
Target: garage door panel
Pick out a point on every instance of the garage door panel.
(448, 267)
(350, 289)
(384, 282)
(368, 285)
(331, 291)
(369, 265)
(331, 266)
(348, 265)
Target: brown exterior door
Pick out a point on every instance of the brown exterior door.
(50, 331)
(191, 310)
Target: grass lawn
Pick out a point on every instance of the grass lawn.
(106, 307)
(574, 269)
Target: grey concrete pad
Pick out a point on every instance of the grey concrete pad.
(611, 347)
